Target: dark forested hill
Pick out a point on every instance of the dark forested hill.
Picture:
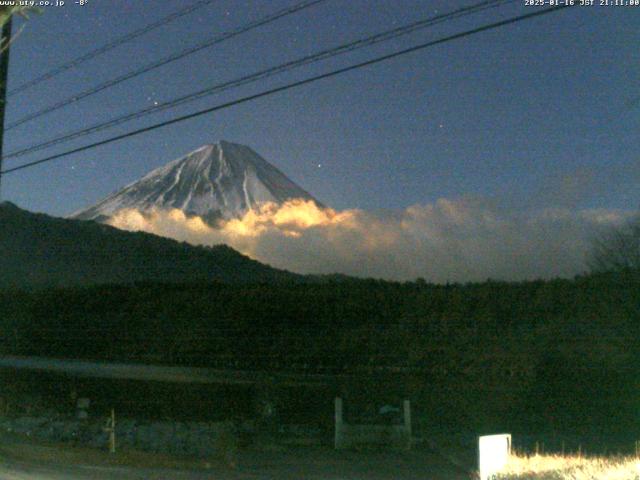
(37, 250)
(548, 354)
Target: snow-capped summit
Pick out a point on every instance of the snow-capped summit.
(219, 181)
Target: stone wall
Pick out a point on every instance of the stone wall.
(201, 439)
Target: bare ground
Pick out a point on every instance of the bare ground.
(22, 459)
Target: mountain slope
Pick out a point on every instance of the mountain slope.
(38, 250)
(220, 181)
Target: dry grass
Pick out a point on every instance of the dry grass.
(558, 467)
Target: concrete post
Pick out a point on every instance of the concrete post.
(339, 438)
(110, 428)
(112, 432)
(406, 408)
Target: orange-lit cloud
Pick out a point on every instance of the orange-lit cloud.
(448, 240)
(290, 218)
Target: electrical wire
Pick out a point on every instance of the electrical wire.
(164, 61)
(263, 74)
(109, 46)
(289, 86)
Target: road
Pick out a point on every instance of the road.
(12, 470)
(304, 463)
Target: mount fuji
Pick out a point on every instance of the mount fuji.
(216, 182)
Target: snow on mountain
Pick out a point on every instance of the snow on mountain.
(220, 181)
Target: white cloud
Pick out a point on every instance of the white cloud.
(465, 239)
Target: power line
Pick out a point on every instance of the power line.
(166, 60)
(263, 74)
(109, 46)
(289, 86)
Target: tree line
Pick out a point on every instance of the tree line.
(558, 350)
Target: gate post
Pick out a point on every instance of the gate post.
(406, 407)
(339, 437)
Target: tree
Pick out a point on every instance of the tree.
(617, 249)
(7, 12)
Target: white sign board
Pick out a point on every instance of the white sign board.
(493, 454)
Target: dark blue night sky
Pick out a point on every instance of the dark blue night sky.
(543, 113)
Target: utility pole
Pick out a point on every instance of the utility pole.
(5, 44)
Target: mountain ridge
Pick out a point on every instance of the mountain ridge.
(37, 250)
